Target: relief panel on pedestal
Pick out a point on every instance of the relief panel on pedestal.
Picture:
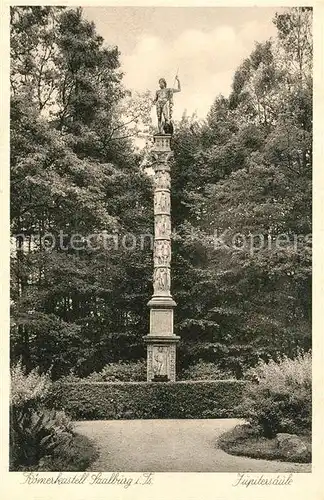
(172, 375)
(150, 373)
(161, 362)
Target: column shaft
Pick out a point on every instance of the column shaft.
(161, 341)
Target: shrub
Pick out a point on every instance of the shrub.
(28, 389)
(244, 440)
(121, 372)
(278, 397)
(204, 371)
(35, 431)
(36, 434)
(77, 456)
(114, 372)
(137, 400)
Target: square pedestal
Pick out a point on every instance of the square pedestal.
(161, 322)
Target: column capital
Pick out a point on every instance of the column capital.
(161, 160)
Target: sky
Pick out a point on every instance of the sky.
(207, 44)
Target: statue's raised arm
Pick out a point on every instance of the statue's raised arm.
(179, 85)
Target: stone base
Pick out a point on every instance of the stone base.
(160, 378)
(161, 357)
(162, 301)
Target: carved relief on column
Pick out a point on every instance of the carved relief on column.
(162, 253)
(161, 280)
(162, 227)
(162, 202)
(162, 179)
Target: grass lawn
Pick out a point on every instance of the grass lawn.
(243, 440)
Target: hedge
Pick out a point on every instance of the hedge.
(143, 400)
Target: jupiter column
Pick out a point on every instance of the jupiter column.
(161, 341)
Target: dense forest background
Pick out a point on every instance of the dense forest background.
(241, 203)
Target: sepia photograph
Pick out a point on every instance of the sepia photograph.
(160, 241)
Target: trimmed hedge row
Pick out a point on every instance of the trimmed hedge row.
(143, 400)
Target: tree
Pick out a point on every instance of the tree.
(243, 234)
(73, 177)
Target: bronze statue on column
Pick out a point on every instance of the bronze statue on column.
(164, 105)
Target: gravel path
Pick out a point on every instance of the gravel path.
(170, 446)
